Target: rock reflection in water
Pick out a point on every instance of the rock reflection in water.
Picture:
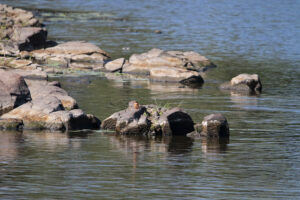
(134, 145)
(132, 81)
(214, 145)
(9, 145)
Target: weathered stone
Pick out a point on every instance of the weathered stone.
(115, 65)
(14, 91)
(149, 119)
(244, 82)
(215, 125)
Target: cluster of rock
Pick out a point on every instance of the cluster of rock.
(39, 104)
(166, 66)
(149, 120)
(24, 44)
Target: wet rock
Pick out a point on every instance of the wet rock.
(244, 83)
(173, 74)
(215, 125)
(48, 113)
(115, 65)
(13, 91)
(149, 119)
(11, 124)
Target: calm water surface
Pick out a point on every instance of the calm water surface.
(261, 160)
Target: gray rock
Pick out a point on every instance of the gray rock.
(215, 125)
(142, 63)
(13, 91)
(149, 119)
(43, 89)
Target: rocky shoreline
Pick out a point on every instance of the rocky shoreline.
(29, 101)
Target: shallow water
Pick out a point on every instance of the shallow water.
(261, 160)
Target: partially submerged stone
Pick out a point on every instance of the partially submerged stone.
(149, 119)
(215, 125)
(49, 113)
(245, 83)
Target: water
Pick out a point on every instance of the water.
(261, 160)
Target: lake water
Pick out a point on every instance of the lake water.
(260, 161)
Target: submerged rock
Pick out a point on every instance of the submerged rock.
(244, 83)
(149, 119)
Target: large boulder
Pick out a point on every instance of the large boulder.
(244, 83)
(13, 91)
(49, 113)
(149, 119)
(44, 89)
